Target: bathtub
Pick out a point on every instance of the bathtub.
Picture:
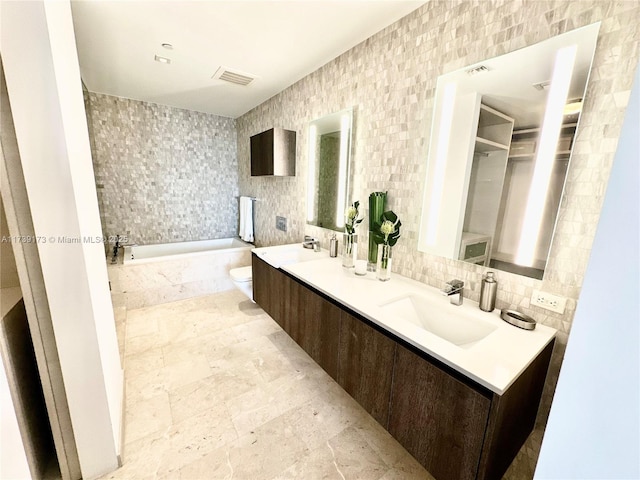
(154, 253)
(155, 274)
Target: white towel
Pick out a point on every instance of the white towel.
(246, 219)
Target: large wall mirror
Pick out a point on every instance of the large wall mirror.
(329, 169)
(501, 140)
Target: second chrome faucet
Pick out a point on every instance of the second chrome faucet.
(454, 290)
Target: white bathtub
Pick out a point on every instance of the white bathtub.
(154, 253)
(154, 274)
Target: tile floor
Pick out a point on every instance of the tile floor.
(215, 389)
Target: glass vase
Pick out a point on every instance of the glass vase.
(383, 272)
(377, 201)
(372, 258)
(349, 250)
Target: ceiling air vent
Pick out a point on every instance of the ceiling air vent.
(231, 76)
(477, 70)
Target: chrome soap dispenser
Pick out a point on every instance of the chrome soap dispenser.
(333, 246)
(488, 292)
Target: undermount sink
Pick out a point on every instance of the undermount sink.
(287, 254)
(451, 323)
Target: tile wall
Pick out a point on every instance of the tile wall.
(390, 80)
(163, 174)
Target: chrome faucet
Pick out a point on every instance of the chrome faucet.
(116, 247)
(311, 242)
(454, 290)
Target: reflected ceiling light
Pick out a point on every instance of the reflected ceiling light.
(341, 204)
(311, 180)
(572, 108)
(168, 46)
(542, 85)
(444, 135)
(545, 157)
(160, 59)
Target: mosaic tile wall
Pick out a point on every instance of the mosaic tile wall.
(163, 174)
(390, 79)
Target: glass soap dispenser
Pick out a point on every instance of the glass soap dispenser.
(488, 292)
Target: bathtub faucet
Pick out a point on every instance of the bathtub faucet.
(116, 247)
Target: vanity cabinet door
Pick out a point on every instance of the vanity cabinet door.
(437, 418)
(268, 291)
(365, 366)
(261, 283)
(319, 330)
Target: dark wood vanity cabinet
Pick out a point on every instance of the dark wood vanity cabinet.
(318, 329)
(456, 428)
(437, 418)
(364, 366)
(311, 321)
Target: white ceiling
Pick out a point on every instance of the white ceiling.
(279, 42)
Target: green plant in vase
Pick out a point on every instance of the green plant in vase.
(386, 235)
(350, 239)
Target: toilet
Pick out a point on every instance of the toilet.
(242, 278)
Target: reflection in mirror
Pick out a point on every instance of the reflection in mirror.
(501, 139)
(329, 169)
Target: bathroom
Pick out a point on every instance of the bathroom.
(390, 82)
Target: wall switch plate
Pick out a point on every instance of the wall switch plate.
(281, 223)
(546, 300)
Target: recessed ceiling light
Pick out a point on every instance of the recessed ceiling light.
(168, 46)
(160, 59)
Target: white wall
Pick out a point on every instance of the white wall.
(43, 81)
(594, 425)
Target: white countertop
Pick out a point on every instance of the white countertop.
(282, 255)
(494, 361)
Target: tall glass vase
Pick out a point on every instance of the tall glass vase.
(383, 272)
(349, 249)
(376, 209)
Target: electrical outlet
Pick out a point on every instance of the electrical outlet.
(546, 300)
(281, 223)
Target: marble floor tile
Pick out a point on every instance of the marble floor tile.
(216, 390)
(345, 456)
(152, 359)
(147, 416)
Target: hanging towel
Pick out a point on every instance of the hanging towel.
(246, 219)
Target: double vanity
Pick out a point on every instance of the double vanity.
(459, 388)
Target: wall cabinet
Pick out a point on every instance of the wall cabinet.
(273, 152)
(455, 427)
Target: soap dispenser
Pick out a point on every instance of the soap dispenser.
(333, 246)
(488, 292)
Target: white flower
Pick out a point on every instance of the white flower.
(350, 214)
(387, 228)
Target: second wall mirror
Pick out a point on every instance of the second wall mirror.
(329, 170)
